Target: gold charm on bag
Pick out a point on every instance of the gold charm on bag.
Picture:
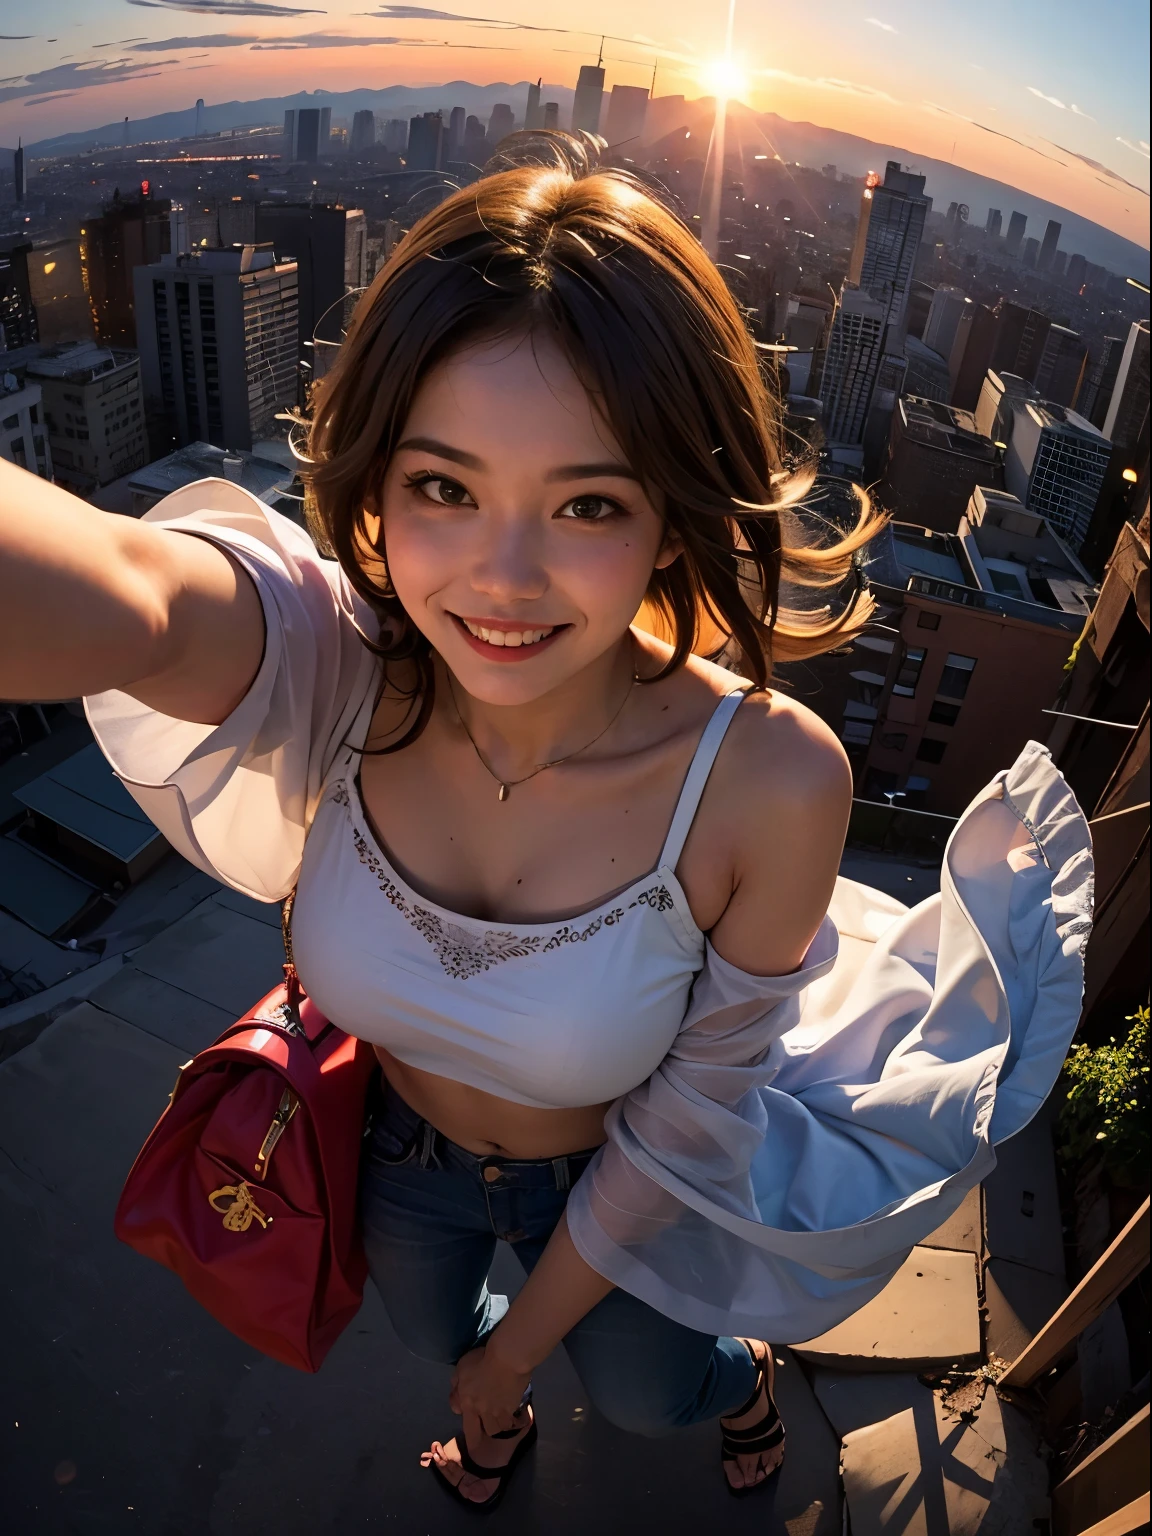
(241, 1209)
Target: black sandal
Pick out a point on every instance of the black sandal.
(499, 1475)
(765, 1435)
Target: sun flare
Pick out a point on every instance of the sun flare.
(724, 77)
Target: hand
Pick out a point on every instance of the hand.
(489, 1389)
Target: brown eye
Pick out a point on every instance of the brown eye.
(446, 493)
(589, 509)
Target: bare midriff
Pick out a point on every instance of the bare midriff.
(490, 1126)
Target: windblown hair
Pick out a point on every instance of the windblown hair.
(591, 257)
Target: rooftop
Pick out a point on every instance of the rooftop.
(944, 426)
(135, 493)
(238, 259)
(81, 363)
(1049, 416)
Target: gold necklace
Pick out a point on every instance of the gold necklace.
(509, 784)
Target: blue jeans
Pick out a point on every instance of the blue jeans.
(432, 1214)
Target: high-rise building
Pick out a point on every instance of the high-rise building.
(995, 222)
(23, 440)
(456, 122)
(1020, 338)
(552, 114)
(500, 125)
(888, 235)
(1077, 266)
(425, 142)
(1128, 408)
(20, 171)
(328, 244)
(94, 413)
(307, 132)
(1096, 391)
(18, 325)
(199, 128)
(926, 376)
(627, 109)
(128, 234)
(1056, 463)
(1013, 240)
(534, 112)
(1030, 253)
(1059, 263)
(395, 135)
(363, 132)
(1047, 253)
(851, 363)
(971, 354)
(475, 150)
(56, 283)
(218, 343)
(995, 413)
(588, 99)
(947, 306)
(936, 457)
(1060, 370)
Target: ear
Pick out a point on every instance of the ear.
(671, 548)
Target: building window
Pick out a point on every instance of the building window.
(956, 676)
(895, 741)
(909, 673)
(944, 714)
(915, 790)
(856, 732)
(930, 750)
(926, 620)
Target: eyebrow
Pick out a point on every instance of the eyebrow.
(609, 467)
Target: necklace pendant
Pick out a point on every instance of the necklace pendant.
(503, 795)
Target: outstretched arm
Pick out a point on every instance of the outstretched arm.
(91, 601)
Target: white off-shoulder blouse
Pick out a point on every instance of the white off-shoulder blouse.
(776, 1145)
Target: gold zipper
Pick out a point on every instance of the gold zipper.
(287, 1107)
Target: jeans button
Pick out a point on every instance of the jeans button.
(492, 1174)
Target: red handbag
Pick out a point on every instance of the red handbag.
(246, 1187)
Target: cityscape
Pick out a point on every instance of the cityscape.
(167, 300)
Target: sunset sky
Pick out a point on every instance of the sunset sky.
(1048, 95)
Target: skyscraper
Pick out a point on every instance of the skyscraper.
(218, 338)
(396, 135)
(1055, 464)
(307, 132)
(1030, 253)
(1000, 394)
(18, 326)
(500, 125)
(128, 234)
(475, 152)
(627, 109)
(971, 354)
(456, 121)
(19, 171)
(1060, 370)
(1096, 392)
(199, 129)
(1128, 409)
(995, 222)
(1017, 224)
(426, 142)
(551, 114)
(56, 283)
(851, 363)
(943, 318)
(363, 132)
(1048, 246)
(888, 236)
(534, 112)
(326, 242)
(93, 411)
(588, 99)
(1020, 337)
(1077, 266)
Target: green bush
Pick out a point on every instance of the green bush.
(1105, 1111)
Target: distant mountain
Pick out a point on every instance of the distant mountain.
(806, 143)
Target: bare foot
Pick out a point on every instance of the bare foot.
(484, 1450)
(747, 1471)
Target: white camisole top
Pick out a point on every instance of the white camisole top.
(552, 1015)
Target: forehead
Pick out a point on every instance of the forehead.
(519, 394)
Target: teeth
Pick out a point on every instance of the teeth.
(511, 637)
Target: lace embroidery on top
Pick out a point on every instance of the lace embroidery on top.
(463, 953)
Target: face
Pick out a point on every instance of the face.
(517, 537)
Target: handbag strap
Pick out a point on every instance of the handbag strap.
(291, 979)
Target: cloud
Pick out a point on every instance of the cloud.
(934, 106)
(426, 13)
(335, 40)
(15, 37)
(38, 101)
(1052, 101)
(209, 40)
(82, 76)
(885, 26)
(829, 83)
(228, 7)
(1081, 113)
(1104, 170)
(1139, 148)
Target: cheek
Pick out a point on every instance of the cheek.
(421, 558)
(606, 575)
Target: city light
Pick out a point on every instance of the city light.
(1131, 476)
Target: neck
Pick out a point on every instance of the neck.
(517, 738)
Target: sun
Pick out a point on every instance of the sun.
(724, 77)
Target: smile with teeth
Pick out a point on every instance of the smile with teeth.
(509, 637)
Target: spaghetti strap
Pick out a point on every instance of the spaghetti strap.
(697, 776)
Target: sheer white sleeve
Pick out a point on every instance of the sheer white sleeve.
(236, 799)
(805, 1131)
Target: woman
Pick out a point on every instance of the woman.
(571, 880)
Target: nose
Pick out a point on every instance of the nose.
(509, 567)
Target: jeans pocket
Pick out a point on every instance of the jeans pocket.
(392, 1148)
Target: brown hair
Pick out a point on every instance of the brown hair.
(593, 258)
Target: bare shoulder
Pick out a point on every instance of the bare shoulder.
(782, 755)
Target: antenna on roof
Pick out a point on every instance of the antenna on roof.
(600, 57)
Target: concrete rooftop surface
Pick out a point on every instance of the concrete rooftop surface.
(125, 1408)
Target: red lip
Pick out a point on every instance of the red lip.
(505, 653)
